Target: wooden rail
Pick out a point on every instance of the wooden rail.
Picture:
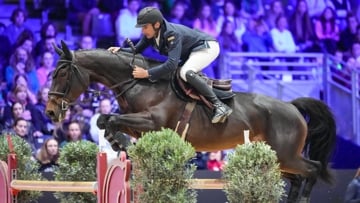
(207, 184)
(54, 186)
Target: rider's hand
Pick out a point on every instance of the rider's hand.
(113, 49)
(139, 72)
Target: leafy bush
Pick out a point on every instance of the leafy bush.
(253, 174)
(27, 167)
(77, 162)
(161, 168)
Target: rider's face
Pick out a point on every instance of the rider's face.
(148, 30)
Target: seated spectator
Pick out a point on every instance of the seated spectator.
(354, 58)
(81, 11)
(46, 68)
(301, 28)
(22, 80)
(257, 37)
(200, 160)
(17, 26)
(48, 30)
(126, 21)
(42, 98)
(252, 9)
(31, 113)
(21, 62)
(104, 108)
(74, 133)
(17, 110)
(26, 40)
(86, 42)
(327, 30)
(227, 39)
(177, 14)
(111, 7)
(230, 14)
(48, 156)
(282, 38)
(276, 10)
(215, 162)
(348, 35)
(21, 129)
(352, 194)
(205, 22)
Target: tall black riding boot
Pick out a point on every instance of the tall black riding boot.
(221, 110)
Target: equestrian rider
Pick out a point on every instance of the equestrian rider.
(195, 49)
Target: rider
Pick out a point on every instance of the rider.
(193, 48)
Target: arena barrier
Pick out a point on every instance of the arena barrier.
(112, 184)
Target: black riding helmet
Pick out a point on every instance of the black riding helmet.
(149, 15)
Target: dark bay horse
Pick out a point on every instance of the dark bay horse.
(302, 132)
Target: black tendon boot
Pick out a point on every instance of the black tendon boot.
(221, 110)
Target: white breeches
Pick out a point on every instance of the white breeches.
(199, 60)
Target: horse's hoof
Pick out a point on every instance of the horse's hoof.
(101, 121)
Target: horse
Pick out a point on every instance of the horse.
(302, 132)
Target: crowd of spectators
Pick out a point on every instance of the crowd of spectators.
(27, 60)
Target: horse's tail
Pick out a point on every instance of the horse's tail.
(321, 137)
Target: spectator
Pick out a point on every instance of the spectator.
(26, 41)
(42, 97)
(81, 11)
(17, 26)
(252, 9)
(178, 14)
(301, 28)
(126, 21)
(22, 80)
(31, 113)
(354, 59)
(86, 42)
(204, 21)
(231, 15)
(104, 108)
(327, 30)
(257, 37)
(74, 133)
(111, 7)
(48, 30)
(215, 162)
(282, 38)
(342, 9)
(200, 160)
(276, 10)
(21, 129)
(17, 110)
(227, 39)
(46, 68)
(352, 194)
(61, 128)
(48, 156)
(21, 62)
(348, 35)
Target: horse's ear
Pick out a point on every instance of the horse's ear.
(66, 50)
(57, 49)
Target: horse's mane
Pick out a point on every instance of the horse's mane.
(129, 56)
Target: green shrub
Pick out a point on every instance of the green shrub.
(27, 167)
(253, 175)
(161, 168)
(77, 162)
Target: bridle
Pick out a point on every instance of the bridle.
(65, 101)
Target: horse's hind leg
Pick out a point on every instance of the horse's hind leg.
(310, 181)
(295, 186)
(308, 169)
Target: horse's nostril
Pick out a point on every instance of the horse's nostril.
(50, 113)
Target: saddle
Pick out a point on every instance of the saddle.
(222, 89)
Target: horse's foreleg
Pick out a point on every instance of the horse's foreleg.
(310, 180)
(138, 122)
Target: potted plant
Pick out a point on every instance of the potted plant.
(161, 172)
(26, 165)
(253, 175)
(77, 162)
